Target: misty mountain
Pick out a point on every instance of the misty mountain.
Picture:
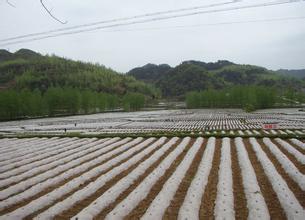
(292, 73)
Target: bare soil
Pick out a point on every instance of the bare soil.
(210, 192)
(141, 208)
(294, 187)
(275, 209)
(240, 201)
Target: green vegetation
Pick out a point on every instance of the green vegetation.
(26, 69)
(133, 101)
(58, 101)
(33, 85)
(199, 76)
(150, 73)
(292, 73)
(55, 101)
(246, 97)
(291, 96)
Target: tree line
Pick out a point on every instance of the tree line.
(57, 101)
(246, 97)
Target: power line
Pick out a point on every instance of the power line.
(120, 19)
(150, 14)
(155, 19)
(211, 24)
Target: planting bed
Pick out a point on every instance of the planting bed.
(219, 121)
(152, 178)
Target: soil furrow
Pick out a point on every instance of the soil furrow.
(207, 206)
(40, 159)
(240, 200)
(144, 204)
(275, 209)
(173, 209)
(84, 203)
(210, 192)
(124, 194)
(41, 172)
(80, 203)
(295, 146)
(301, 167)
(294, 187)
(51, 188)
(53, 154)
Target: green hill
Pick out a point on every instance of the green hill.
(150, 73)
(33, 85)
(198, 76)
(26, 69)
(300, 74)
(20, 54)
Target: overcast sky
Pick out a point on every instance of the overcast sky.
(274, 45)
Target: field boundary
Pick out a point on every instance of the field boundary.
(153, 134)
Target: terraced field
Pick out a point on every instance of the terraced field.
(152, 178)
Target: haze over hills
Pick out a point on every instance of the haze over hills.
(292, 73)
(196, 76)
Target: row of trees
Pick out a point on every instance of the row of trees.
(63, 101)
(133, 101)
(246, 97)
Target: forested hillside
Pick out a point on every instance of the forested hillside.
(292, 73)
(150, 73)
(26, 69)
(36, 85)
(33, 85)
(199, 76)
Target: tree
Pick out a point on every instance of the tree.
(133, 101)
(247, 97)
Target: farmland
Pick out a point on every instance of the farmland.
(152, 110)
(152, 178)
(233, 122)
(221, 165)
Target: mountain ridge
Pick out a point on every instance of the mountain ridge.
(297, 73)
(26, 69)
(193, 75)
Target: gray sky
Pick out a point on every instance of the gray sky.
(274, 45)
